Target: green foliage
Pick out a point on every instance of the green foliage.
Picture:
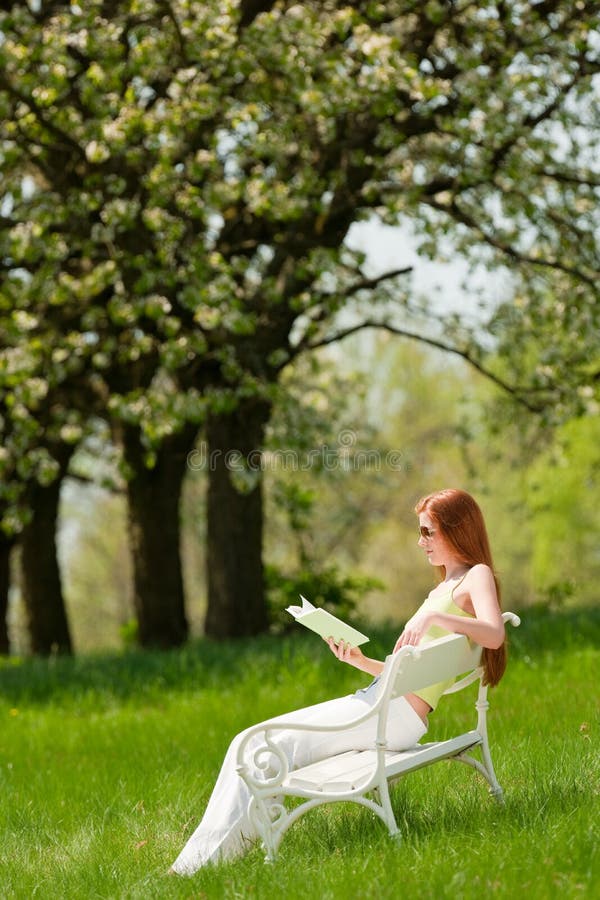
(395, 432)
(129, 633)
(326, 587)
(547, 342)
(563, 487)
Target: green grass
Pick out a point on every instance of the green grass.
(106, 763)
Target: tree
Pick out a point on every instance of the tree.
(6, 545)
(182, 176)
(42, 586)
(37, 442)
(154, 531)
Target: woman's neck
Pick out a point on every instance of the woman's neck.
(455, 570)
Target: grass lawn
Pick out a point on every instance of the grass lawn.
(106, 763)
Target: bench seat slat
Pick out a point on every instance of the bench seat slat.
(335, 776)
(348, 771)
(424, 754)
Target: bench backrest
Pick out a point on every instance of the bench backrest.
(413, 668)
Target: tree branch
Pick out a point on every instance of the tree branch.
(365, 284)
(519, 393)
(64, 138)
(174, 21)
(460, 215)
(569, 178)
(315, 317)
(111, 487)
(530, 122)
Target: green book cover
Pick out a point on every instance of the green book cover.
(326, 624)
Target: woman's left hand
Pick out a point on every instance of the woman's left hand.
(414, 630)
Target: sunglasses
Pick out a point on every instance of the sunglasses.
(426, 532)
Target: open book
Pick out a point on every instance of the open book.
(325, 624)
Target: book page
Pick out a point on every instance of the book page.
(297, 611)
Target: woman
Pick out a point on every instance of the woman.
(466, 601)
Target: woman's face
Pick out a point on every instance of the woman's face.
(437, 550)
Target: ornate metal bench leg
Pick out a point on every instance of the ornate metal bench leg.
(498, 794)
(482, 705)
(386, 806)
(266, 815)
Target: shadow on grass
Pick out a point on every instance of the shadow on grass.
(211, 664)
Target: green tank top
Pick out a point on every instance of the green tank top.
(443, 603)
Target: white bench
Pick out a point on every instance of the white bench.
(363, 776)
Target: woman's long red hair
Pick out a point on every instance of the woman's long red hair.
(462, 525)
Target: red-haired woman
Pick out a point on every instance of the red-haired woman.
(465, 601)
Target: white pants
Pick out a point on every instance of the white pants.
(225, 830)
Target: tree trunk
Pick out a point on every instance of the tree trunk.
(6, 545)
(154, 533)
(42, 591)
(235, 578)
